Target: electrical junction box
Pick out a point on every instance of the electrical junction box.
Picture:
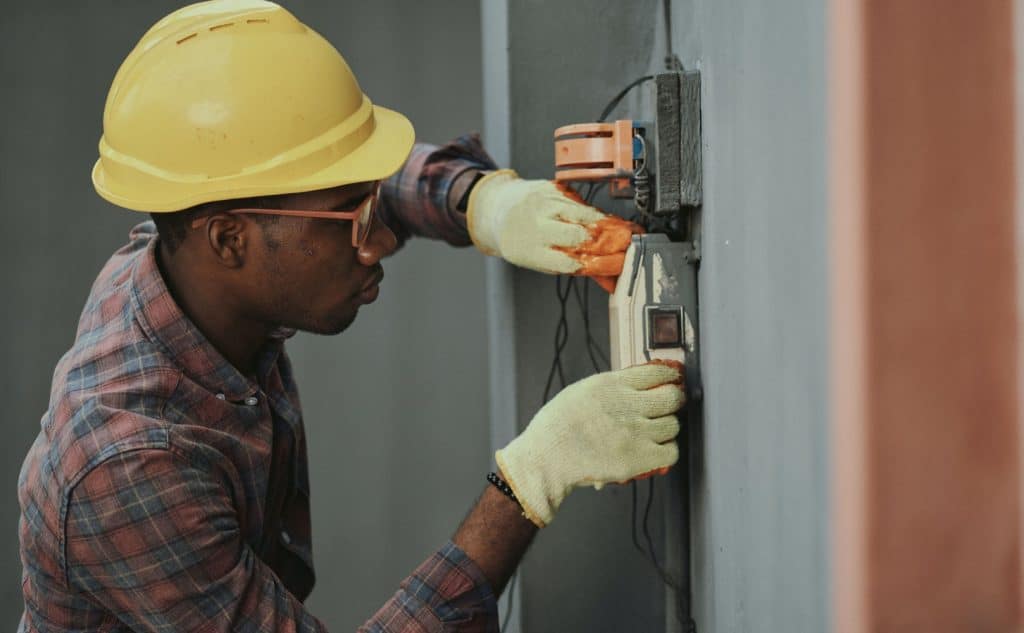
(660, 159)
(677, 155)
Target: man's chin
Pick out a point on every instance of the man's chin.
(332, 324)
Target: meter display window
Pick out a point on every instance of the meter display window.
(664, 328)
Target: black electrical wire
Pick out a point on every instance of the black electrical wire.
(647, 535)
(619, 97)
(561, 336)
(666, 6)
(632, 524)
(666, 578)
(598, 359)
(671, 59)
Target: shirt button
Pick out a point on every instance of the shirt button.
(252, 401)
(286, 538)
(220, 396)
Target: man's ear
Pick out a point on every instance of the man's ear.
(228, 236)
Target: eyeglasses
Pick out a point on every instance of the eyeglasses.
(361, 215)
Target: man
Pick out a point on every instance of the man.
(168, 488)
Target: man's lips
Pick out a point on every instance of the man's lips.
(374, 280)
(368, 293)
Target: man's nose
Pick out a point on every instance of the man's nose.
(379, 244)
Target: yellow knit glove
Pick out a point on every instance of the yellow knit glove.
(610, 427)
(539, 225)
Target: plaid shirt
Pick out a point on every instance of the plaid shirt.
(169, 492)
(420, 199)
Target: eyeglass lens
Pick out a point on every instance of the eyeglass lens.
(365, 220)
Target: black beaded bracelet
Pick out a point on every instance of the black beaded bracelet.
(502, 486)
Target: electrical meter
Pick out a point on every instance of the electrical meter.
(652, 313)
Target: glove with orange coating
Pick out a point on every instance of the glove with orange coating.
(546, 227)
(609, 428)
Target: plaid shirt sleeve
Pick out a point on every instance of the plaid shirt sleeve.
(420, 199)
(153, 537)
(446, 593)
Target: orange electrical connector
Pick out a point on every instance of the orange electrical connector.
(596, 151)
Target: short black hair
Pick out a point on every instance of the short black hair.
(173, 227)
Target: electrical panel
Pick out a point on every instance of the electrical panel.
(653, 311)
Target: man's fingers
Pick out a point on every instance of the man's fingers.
(661, 430)
(660, 401)
(649, 474)
(599, 247)
(649, 375)
(611, 235)
(608, 283)
(602, 265)
(656, 456)
(572, 211)
(549, 260)
(565, 235)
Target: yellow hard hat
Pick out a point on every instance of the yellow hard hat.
(237, 98)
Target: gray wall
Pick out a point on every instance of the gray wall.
(762, 503)
(760, 521)
(402, 395)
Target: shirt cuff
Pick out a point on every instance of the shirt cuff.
(460, 188)
(455, 589)
(420, 199)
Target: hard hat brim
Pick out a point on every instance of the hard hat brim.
(382, 154)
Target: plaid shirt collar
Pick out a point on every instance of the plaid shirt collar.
(166, 325)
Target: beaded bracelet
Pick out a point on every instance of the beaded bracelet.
(502, 486)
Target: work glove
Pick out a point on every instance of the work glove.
(546, 227)
(610, 427)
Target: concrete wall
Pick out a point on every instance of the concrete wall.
(760, 505)
(761, 552)
(378, 410)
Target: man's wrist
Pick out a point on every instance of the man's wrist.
(495, 534)
(458, 194)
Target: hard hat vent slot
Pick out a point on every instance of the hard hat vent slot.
(218, 27)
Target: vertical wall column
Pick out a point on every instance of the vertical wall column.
(500, 298)
(925, 403)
